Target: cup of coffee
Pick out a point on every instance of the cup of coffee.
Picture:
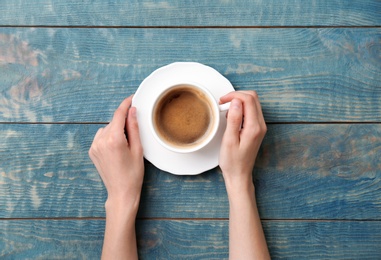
(185, 117)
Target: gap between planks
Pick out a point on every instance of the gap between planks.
(194, 27)
(268, 123)
(192, 219)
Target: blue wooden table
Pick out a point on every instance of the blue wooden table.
(316, 65)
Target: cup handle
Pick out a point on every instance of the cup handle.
(224, 107)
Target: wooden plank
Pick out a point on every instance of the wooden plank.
(51, 239)
(185, 13)
(190, 239)
(45, 171)
(323, 239)
(307, 171)
(81, 75)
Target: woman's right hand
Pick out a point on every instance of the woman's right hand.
(243, 136)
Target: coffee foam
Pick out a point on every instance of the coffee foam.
(183, 116)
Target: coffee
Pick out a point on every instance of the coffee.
(183, 116)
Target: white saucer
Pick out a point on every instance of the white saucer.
(172, 74)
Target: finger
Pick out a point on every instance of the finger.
(253, 124)
(119, 119)
(259, 114)
(227, 98)
(125, 129)
(233, 94)
(259, 111)
(237, 94)
(248, 100)
(234, 122)
(133, 130)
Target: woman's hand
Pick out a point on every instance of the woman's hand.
(244, 133)
(119, 161)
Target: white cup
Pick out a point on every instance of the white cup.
(181, 109)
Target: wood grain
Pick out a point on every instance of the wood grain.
(51, 239)
(323, 240)
(308, 171)
(66, 65)
(81, 75)
(185, 13)
(190, 239)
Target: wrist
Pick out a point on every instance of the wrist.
(126, 208)
(240, 189)
(238, 181)
(241, 193)
(120, 234)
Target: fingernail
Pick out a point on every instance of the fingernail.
(236, 104)
(133, 111)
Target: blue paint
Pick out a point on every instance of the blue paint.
(317, 184)
(185, 13)
(301, 75)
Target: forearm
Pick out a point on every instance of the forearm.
(120, 236)
(246, 237)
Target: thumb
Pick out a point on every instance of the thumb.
(234, 121)
(133, 130)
